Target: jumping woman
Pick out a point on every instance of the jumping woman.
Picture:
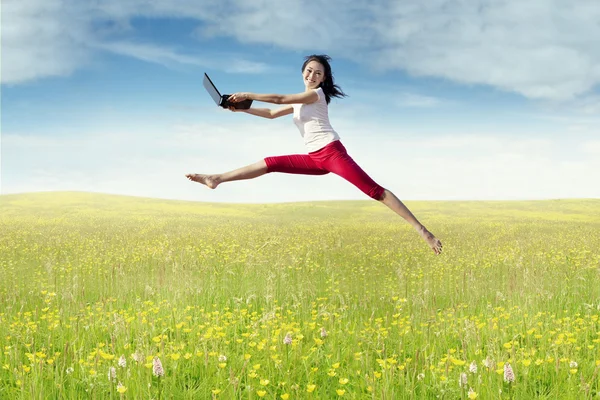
(325, 151)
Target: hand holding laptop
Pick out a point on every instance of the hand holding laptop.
(237, 97)
(239, 101)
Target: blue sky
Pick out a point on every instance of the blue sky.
(448, 100)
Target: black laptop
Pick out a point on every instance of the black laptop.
(220, 99)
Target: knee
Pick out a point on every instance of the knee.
(378, 193)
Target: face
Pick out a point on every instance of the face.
(313, 75)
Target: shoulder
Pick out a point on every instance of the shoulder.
(307, 97)
(320, 93)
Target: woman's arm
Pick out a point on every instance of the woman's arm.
(299, 98)
(267, 112)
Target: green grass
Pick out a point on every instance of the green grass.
(212, 290)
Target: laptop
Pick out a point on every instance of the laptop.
(220, 99)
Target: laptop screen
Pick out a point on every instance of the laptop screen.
(211, 89)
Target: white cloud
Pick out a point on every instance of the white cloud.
(591, 147)
(417, 100)
(37, 41)
(542, 49)
(153, 162)
(151, 53)
(538, 48)
(589, 105)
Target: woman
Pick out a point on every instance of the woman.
(325, 151)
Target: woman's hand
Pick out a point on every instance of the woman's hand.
(237, 97)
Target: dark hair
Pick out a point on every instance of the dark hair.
(329, 87)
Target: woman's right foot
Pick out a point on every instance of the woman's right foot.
(209, 180)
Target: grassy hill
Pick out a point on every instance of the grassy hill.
(340, 295)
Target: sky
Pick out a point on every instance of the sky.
(448, 99)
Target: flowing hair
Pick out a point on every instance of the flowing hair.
(329, 87)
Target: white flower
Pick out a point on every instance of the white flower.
(222, 358)
(137, 357)
(488, 363)
(509, 375)
(421, 376)
(112, 374)
(157, 368)
(473, 367)
(463, 380)
(69, 370)
(122, 362)
(323, 333)
(287, 339)
(573, 364)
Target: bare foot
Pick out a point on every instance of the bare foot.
(209, 180)
(431, 240)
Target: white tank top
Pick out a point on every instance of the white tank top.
(313, 122)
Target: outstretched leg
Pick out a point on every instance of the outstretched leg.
(340, 163)
(291, 164)
(389, 199)
(248, 172)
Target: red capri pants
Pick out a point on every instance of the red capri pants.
(331, 158)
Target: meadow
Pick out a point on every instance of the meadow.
(114, 297)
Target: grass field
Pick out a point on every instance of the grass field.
(318, 300)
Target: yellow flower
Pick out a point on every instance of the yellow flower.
(264, 382)
(331, 372)
(472, 394)
(175, 356)
(343, 381)
(222, 365)
(508, 345)
(121, 389)
(340, 392)
(261, 393)
(336, 365)
(247, 356)
(285, 396)
(216, 391)
(573, 371)
(526, 363)
(187, 356)
(311, 388)
(256, 367)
